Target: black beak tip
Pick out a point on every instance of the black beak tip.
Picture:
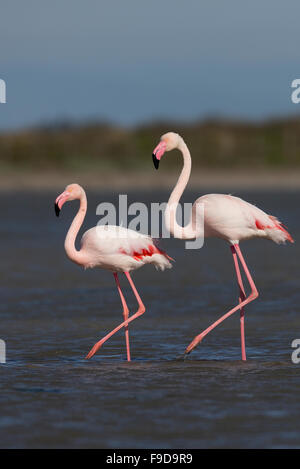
(57, 210)
(155, 161)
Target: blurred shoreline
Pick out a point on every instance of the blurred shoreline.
(118, 180)
(227, 156)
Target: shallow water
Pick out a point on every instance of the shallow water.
(52, 312)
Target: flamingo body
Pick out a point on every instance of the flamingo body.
(224, 216)
(233, 219)
(120, 249)
(113, 248)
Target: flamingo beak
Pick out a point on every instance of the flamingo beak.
(61, 199)
(57, 209)
(158, 153)
(155, 161)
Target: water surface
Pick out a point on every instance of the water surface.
(52, 312)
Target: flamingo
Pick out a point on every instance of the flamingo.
(225, 216)
(113, 248)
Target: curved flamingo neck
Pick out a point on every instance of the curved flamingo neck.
(190, 231)
(71, 251)
(184, 175)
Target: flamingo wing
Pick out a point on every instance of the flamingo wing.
(268, 225)
(115, 242)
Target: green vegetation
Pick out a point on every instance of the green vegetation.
(223, 144)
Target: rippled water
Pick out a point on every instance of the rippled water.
(52, 312)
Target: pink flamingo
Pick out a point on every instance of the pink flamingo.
(112, 248)
(226, 217)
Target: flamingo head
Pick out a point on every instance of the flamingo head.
(168, 142)
(71, 192)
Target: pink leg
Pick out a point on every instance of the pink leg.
(251, 297)
(242, 297)
(125, 314)
(139, 312)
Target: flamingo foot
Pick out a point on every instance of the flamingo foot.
(94, 349)
(193, 344)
